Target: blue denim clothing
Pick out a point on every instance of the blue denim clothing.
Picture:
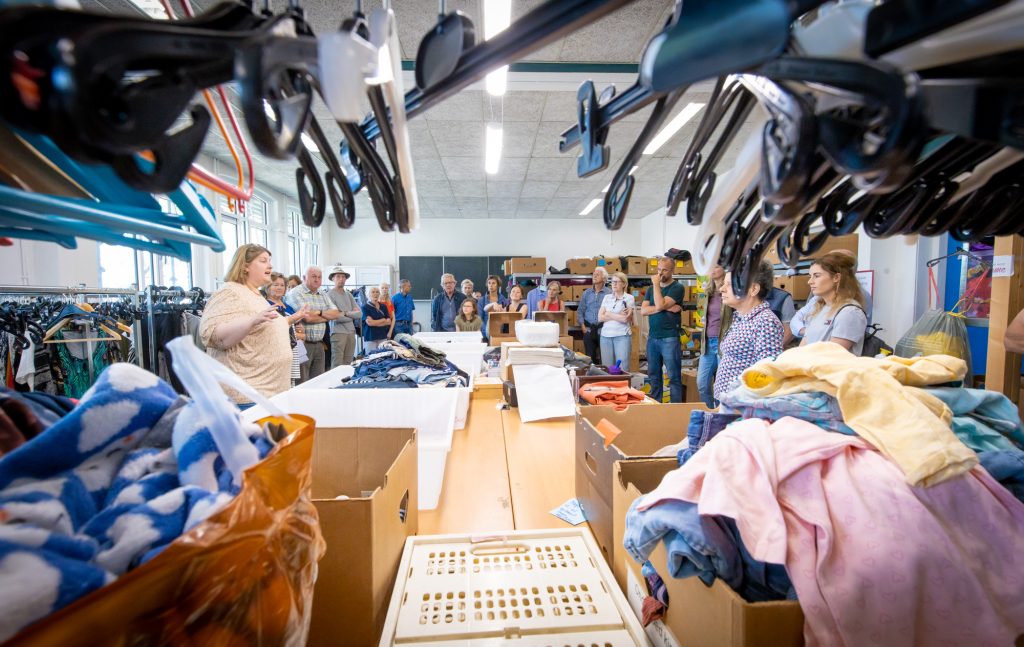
(404, 360)
(708, 547)
(614, 349)
(813, 406)
(590, 304)
(443, 311)
(665, 351)
(403, 328)
(704, 425)
(533, 299)
(706, 368)
(983, 420)
(1007, 467)
(404, 306)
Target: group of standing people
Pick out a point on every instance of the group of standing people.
(274, 332)
(740, 330)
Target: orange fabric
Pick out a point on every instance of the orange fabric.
(615, 393)
(608, 431)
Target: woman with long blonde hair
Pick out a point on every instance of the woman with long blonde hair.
(838, 314)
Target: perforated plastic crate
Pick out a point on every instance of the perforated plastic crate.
(537, 588)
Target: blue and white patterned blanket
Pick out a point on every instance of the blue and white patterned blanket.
(104, 490)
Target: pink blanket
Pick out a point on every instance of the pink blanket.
(873, 560)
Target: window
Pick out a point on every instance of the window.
(124, 267)
(303, 241)
(251, 225)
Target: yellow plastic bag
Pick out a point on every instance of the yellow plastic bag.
(243, 577)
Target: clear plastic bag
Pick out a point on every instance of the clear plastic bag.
(937, 332)
(245, 576)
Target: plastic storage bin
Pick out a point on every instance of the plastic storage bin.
(430, 411)
(527, 588)
(449, 337)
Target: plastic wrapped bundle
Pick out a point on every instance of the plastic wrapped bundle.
(537, 333)
(937, 332)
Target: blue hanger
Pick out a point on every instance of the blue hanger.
(67, 242)
(119, 199)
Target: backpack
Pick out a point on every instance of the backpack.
(873, 344)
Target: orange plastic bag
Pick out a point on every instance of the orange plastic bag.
(243, 577)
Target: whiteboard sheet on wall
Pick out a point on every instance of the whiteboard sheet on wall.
(866, 278)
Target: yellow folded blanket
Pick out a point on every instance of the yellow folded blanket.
(908, 425)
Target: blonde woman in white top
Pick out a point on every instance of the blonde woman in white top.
(616, 314)
(245, 333)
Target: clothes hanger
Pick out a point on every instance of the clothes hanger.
(440, 50)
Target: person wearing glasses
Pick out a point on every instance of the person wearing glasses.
(445, 306)
(616, 317)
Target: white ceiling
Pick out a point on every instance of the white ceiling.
(534, 180)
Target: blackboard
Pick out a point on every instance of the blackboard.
(473, 268)
(424, 272)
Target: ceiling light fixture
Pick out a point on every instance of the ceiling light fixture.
(497, 17)
(492, 151)
(673, 127)
(590, 207)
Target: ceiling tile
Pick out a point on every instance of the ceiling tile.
(521, 106)
(579, 189)
(511, 169)
(421, 141)
(458, 138)
(464, 168)
(548, 134)
(531, 203)
(434, 189)
(469, 188)
(498, 189)
(569, 207)
(619, 36)
(657, 169)
(464, 106)
(560, 107)
(549, 169)
(518, 138)
(533, 189)
(529, 214)
(428, 170)
(473, 204)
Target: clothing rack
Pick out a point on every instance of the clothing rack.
(78, 291)
(150, 293)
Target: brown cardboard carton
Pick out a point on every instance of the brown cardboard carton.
(697, 615)
(645, 430)
(636, 265)
(690, 391)
(502, 324)
(796, 285)
(848, 242)
(611, 263)
(577, 346)
(652, 264)
(580, 265)
(533, 265)
(559, 317)
(365, 535)
(684, 267)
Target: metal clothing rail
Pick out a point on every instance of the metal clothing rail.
(83, 291)
(150, 293)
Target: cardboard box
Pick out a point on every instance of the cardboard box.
(795, 285)
(580, 265)
(652, 264)
(559, 317)
(645, 430)
(697, 615)
(531, 265)
(611, 263)
(636, 265)
(690, 391)
(577, 346)
(571, 318)
(502, 324)
(377, 469)
(848, 242)
(684, 267)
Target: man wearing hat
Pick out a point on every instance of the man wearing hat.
(320, 313)
(343, 329)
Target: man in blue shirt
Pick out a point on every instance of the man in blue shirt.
(404, 305)
(445, 306)
(586, 312)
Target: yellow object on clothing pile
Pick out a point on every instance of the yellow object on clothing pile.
(940, 343)
(908, 425)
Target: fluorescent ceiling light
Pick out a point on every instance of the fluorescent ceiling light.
(497, 16)
(492, 152)
(310, 145)
(152, 8)
(672, 127)
(590, 207)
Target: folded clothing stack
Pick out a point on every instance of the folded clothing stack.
(404, 362)
(615, 393)
(105, 489)
(527, 355)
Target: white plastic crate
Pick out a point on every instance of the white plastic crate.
(430, 411)
(533, 588)
(449, 337)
